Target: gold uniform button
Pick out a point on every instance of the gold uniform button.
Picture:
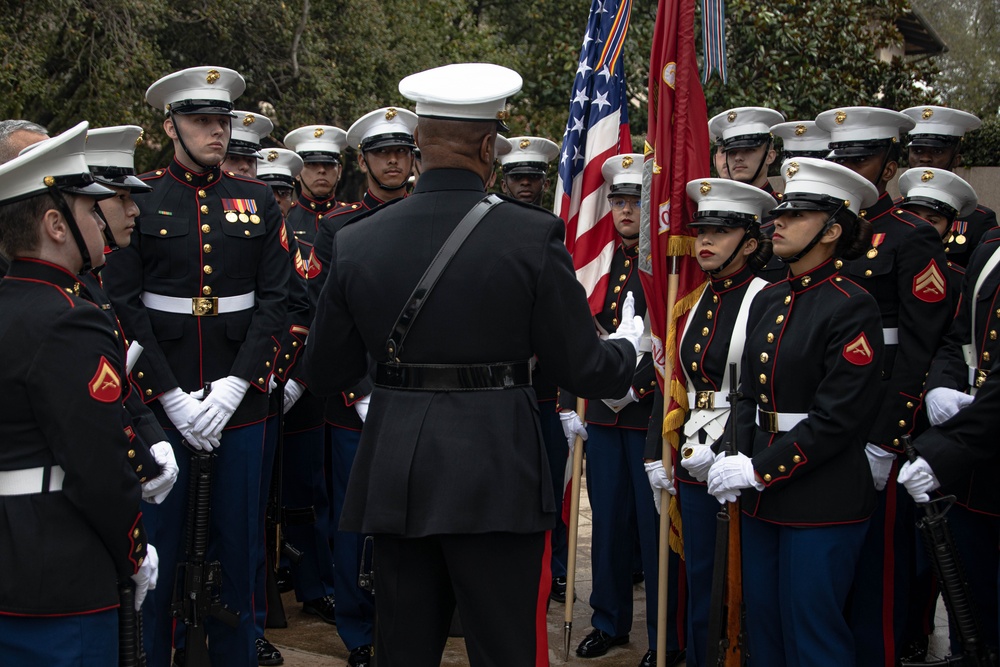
(142, 480)
(246, 232)
(838, 264)
(986, 356)
(260, 380)
(895, 442)
(781, 468)
(727, 283)
(274, 349)
(694, 365)
(207, 269)
(614, 321)
(779, 319)
(288, 357)
(621, 278)
(697, 347)
(206, 229)
(351, 396)
(642, 391)
(149, 392)
(627, 263)
(770, 338)
(767, 477)
(806, 280)
(140, 375)
(788, 299)
(281, 370)
(902, 423)
(762, 378)
(796, 459)
(764, 357)
(993, 334)
(206, 290)
(204, 208)
(763, 399)
(909, 404)
(868, 273)
(998, 312)
(295, 343)
(614, 306)
(138, 468)
(837, 279)
(163, 232)
(704, 331)
(187, 175)
(131, 453)
(207, 248)
(202, 194)
(708, 315)
(267, 364)
(715, 298)
(618, 288)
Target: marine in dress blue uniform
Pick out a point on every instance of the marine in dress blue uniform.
(71, 530)
(807, 391)
(906, 271)
(712, 335)
(936, 141)
(202, 287)
(616, 426)
(452, 479)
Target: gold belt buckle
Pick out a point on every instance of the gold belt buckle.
(770, 420)
(205, 306)
(981, 377)
(704, 400)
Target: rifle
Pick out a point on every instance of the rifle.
(130, 650)
(950, 575)
(198, 599)
(726, 639)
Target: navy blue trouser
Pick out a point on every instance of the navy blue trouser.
(795, 587)
(698, 513)
(80, 640)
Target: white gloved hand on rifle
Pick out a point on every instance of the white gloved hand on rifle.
(697, 460)
(919, 479)
(218, 407)
(182, 409)
(731, 474)
(658, 481)
(146, 576)
(156, 489)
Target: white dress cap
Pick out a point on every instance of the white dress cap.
(249, 129)
(624, 173)
(317, 143)
(934, 187)
(279, 166)
(863, 124)
(948, 124)
(389, 126)
(529, 155)
(110, 155)
(462, 91)
(205, 90)
(57, 162)
(744, 127)
(717, 197)
(802, 136)
(807, 177)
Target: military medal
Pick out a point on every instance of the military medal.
(246, 207)
(255, 219)
(244, 217)
(231, 216)
(958, 229)
(876, 242)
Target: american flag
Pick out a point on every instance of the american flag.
(597, 128)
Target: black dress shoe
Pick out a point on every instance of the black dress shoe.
(179, 658)
(283, 578)
(673, 658)
(361, 656)
(558, 593)
(267, 654)
(638, 577)
(324, 607)
(597, 644)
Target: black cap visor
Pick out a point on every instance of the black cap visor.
(245, 148)
(202, 107)
(745, 141)
(933, 204)
(633, 189)
(515, 168)
(387, 140)
(807, 201)
(849, 149)
(729, 219)
(934, 140)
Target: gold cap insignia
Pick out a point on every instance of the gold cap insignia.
(138, 140)
(524, 143)
(49, 181)
(213, 76)
(847, 203)
(626, 162)
(248, 120)
(166, 108)
(793, 168)
(927, 113)
(502, 115)
(800, 130)
(319, 132)
(272, 156)
(927, 175)
(390, 113)
(840, 117)
(705, 188)
(731, 117)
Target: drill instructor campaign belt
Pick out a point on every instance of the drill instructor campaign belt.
(43, 479)
(448, 377)
(445, 377)
(199, 306)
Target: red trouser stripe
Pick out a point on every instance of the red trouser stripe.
(541, 608)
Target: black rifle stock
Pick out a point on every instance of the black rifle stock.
(130, 650)
(950, 575)
(726, 641)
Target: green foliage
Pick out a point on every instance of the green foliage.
(982, 147)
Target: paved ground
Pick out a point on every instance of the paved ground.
(309, 642)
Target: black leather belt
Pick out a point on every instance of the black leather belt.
(448, 377)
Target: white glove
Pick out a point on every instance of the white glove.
(272, 384)
(218, 407)
(616, 404)
(631, 327)
(919, 479)
(182, 409)
(658, 481)
(145, 578)
(156, 489)
(697, 459)
(361, 405)
(293, 392)
(944, 403)
(880, 462)
(572, 427)
(729, 475)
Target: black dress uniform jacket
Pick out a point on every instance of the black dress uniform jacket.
(304, 219)
(623, 278)
(63, 552)
(187, 247)
(977, 489)
(906, 271)
(814, 345)
(967, 234)
(439, 462)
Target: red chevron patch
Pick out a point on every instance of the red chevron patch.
(929, 285)
(859, 351)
